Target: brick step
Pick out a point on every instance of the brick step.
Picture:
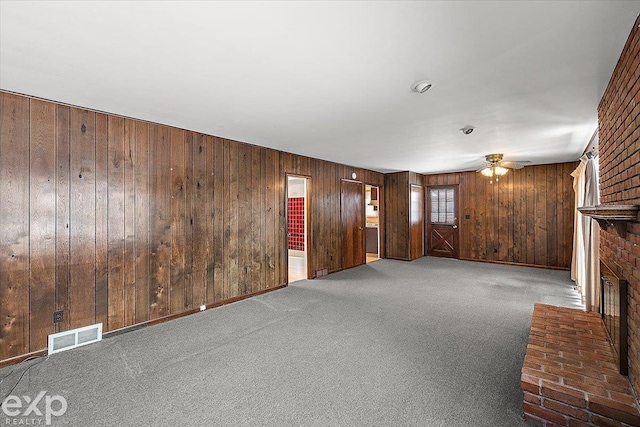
(569, 375)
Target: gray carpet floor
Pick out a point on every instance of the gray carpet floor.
(433, 342)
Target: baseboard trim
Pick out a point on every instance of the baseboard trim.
(22, 358)
(518, 264)
(210, 306)
(43, 352)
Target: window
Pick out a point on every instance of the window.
(442, 206)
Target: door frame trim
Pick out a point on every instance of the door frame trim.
(308, 230)
(424, 224)
(427, 216)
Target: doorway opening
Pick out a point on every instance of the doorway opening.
(297, 227)
(372, 233)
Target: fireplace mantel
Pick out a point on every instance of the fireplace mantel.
(616, 215)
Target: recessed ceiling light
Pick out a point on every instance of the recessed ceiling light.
(421, 86)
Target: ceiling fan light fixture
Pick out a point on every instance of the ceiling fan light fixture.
(499, 170)
(487, 172)
(421, 86)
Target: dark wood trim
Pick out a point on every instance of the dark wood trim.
(209, 306)
(517, 264)
(309, 229)
(22, 358)
(616, 215)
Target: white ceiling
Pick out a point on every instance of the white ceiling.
(332, 79)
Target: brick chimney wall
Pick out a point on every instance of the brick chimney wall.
(619, 149)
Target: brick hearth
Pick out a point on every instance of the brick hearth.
(569, 376)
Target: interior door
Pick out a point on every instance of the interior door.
(352, 219)
(417, 221)
(442, 221)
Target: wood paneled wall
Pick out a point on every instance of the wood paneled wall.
(525, 218)
(396, 206)
(397, 195)
(121, 221)
(324, 210)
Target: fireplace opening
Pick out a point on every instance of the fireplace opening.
(613, 294)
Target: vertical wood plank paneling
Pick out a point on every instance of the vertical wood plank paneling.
(518, 237)
(254, 261)
(491, 221)
(63, 117)
(160, 220)
(510, 217)
(568, 209)
(551, 215)
(142, 248)
(281, 252)
(116, 221)
(531, 215)
(315, 212)
(102, 221)
(129, 258)
(231, 220)
(271, 201)
(110, 231)
(216, 289)
(264, 215)
(189, 164)
(334, 226)
(244, 217)
(201, 220)
(178, 238)
(483, 219)
(468, 202)
(211, 215)
(14, 225)
(541, 255)
(502, 216)
(42, 236)
(527, 215)
(82, 218)
(397, 221)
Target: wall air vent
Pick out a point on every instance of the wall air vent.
(74, 338)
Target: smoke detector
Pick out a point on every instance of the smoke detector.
(421, 86)
(467, 129)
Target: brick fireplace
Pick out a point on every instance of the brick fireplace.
(571, 372)
(619, 149)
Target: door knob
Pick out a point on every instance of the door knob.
(455, 226)
(360, 228)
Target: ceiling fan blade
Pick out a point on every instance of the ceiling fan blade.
(514, 165)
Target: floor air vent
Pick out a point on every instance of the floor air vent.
(74, 338)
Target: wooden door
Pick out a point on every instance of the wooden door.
(416, 219)
(442, 221)
(352, 220)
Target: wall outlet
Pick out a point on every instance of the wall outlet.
(58, 316)
(203, 307)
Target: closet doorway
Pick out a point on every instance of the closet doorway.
(297, 227)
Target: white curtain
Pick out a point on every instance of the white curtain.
(585, 263)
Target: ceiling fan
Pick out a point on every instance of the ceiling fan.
(495, 167)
